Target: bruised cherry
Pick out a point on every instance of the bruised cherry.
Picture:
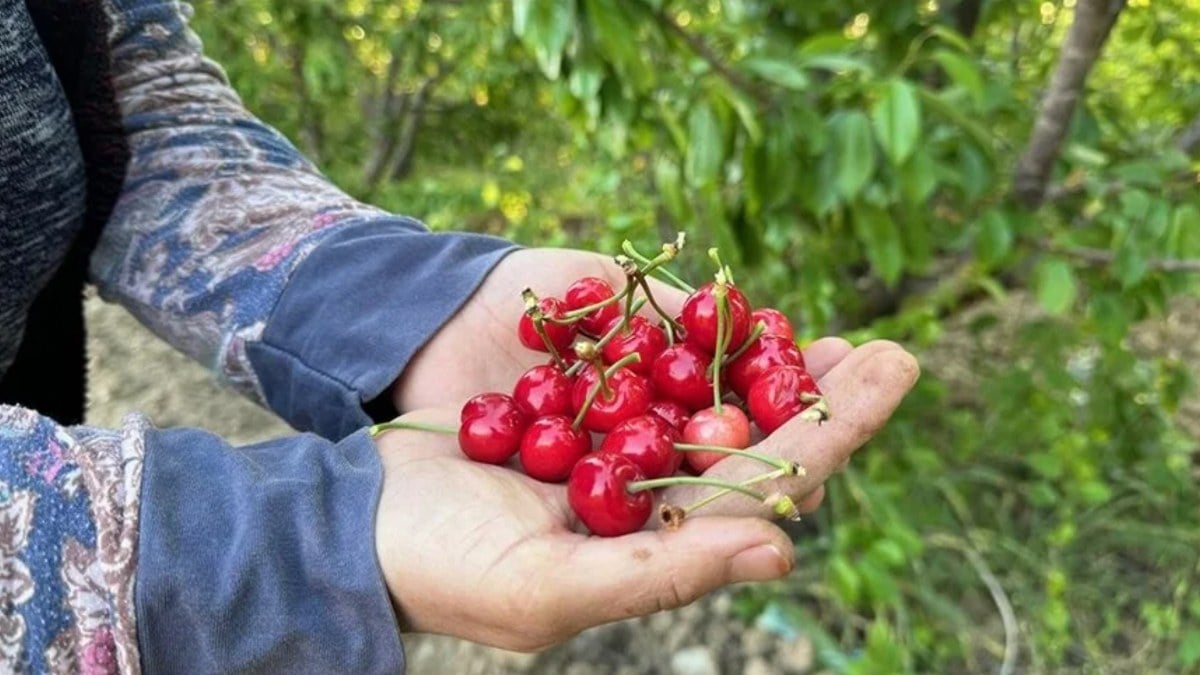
(551, 446)
(680, 373)
(765, 353)
(641, 337)
(543, 391)
(491, 428)
(561, 335)
(699, 318)
(671, 412)
(597, 491)
(728, 429)
(648, 441)
(776, 323)
(589, 291)
(780, 394)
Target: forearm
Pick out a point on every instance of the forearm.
(219, 214)
(256, 558)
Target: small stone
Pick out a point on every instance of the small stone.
(518, 661)
(578, 668)
(694, 661)
(795, 656)
(723, 605)
(759, 666)
(757, 642)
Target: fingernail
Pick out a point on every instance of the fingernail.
(760, 563)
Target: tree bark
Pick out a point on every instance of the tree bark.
(1094, 20)
(1189, 139)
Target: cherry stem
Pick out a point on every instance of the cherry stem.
(580, 312)
(652, 266)
(778, 473)
(398, 424)
(670, 320)
(671, 481)
(759, 329)
(602, 385)
(722, 268)
(608, 337)
(722, 342)
(788, 467)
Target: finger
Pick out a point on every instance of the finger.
(821, 356)
(862, 392)
(611, 579)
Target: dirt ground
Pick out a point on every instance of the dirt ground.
(130, 370)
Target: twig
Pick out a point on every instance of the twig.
(700, 48)
(1007, 615)
(1101, 257)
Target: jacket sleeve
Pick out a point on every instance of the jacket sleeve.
(170, 551)
(229, 244)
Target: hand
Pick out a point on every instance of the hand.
(487, 554)
(478, 349)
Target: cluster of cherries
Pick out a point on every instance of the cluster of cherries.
(652, 389)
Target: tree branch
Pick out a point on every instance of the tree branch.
(1188, 141)
(1101, 258)
(1094, 20)
(700, 48)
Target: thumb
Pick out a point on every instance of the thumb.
(646, 572)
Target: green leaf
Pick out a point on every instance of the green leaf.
(1130, 266)
(1184, 238)
(963, 72)
(837, 63)
(918, 177)
(614, 33)
(881, 240)
(746, 111)
(669, 187)
(706, 145)
(854, 152)
(544, 27)
(897, 119)
(844, 579)
(888, 552)
(995, 238)
(1189, 648)
(1054, 281)
(787, 74)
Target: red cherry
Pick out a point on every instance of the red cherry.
(780, 394)
(561, 335)
(671, 412)
(699, 318)
(629, 396)
(640, 336)
(589, 291)
(597, 492)
(648, 441)
(776, 322)
(550, 448)
(729, 429)
(681, 374)
(491, 428)
(766, 353)
(543, 391)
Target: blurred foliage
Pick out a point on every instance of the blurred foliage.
(854, 157)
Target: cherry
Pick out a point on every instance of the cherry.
(763, 354)
(561, 335)
(640, 336)
(551, 446)
(491, 428)
(699, 318)
(590, 291)
(648, 441)
(597, 492)
(776, 322)
(629, 395)
(543, 391)
(780, 394)
(728, 428)
(671, 412)
(681, 373)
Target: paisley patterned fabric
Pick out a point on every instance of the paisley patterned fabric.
(69, 502)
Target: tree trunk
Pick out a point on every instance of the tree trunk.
(966, 16)
(1093, 22)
